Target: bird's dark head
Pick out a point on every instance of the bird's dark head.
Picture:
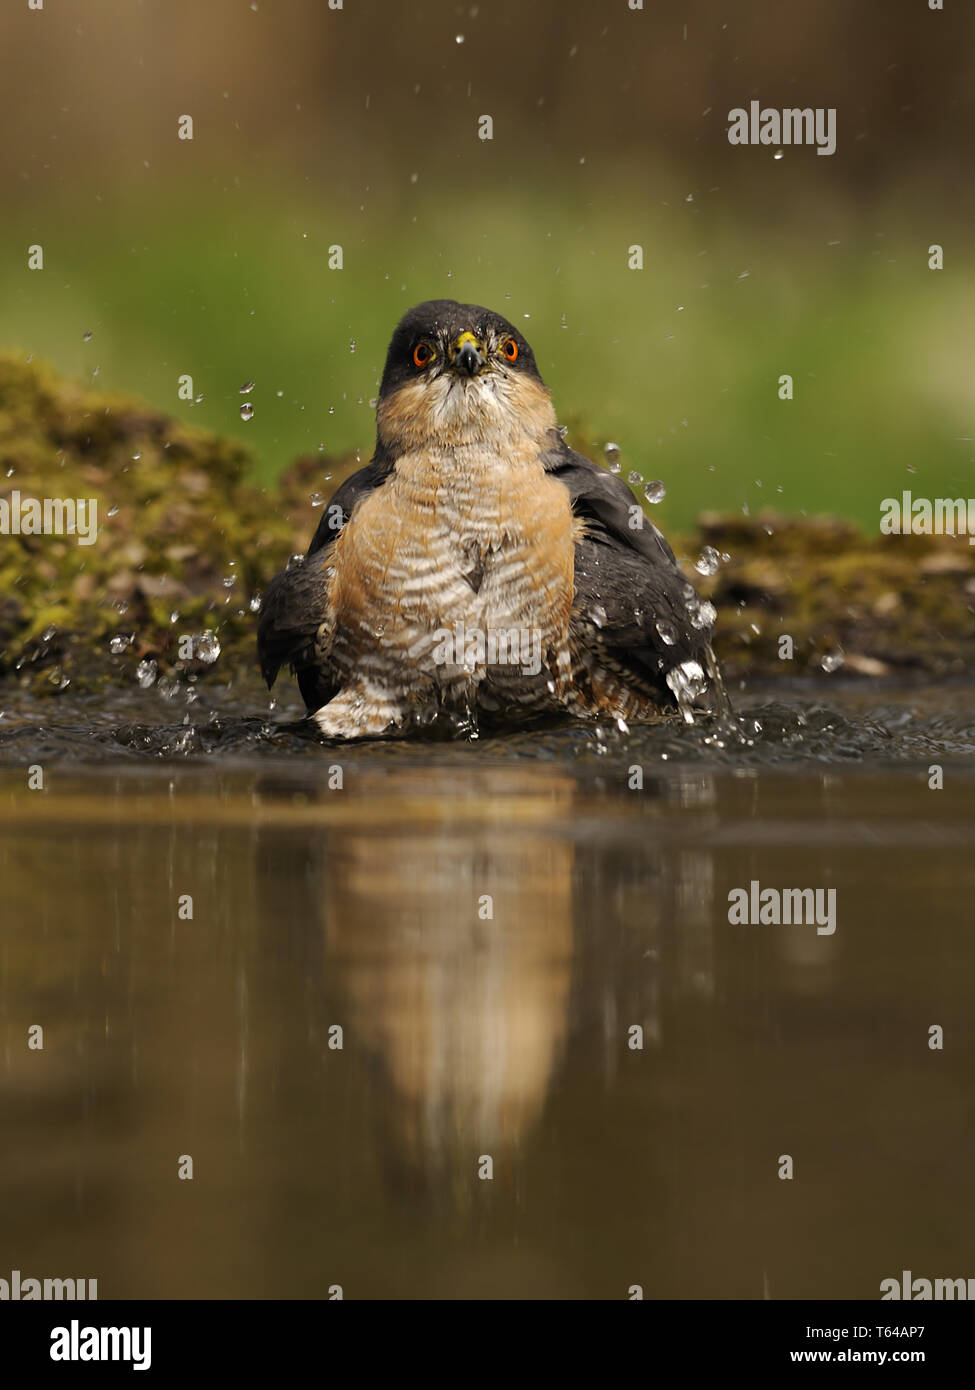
(457, 374)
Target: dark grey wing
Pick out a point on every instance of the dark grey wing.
(345, 498)
(295, 623)
(294, 627)
(632, 603)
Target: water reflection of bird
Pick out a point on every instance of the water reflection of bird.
(478, 566)
(457, 991)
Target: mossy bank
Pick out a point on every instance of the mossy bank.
(186, 544)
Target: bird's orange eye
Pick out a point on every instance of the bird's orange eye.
(510, 349)
(422, 354)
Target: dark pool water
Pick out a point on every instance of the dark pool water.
(487, 925)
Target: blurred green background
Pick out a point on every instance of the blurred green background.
(359, 127)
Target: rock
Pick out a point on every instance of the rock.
(866, 665)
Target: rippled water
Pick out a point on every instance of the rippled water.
(487, 924)
(844, 724)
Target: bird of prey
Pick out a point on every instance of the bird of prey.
(478, 569)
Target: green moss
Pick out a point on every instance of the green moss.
(890, 604)
(176, 520)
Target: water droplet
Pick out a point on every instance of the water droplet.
(702, 614)
(611, 453)
(247, 388)
(86, 337)
(708, 560)
(49, 633)
(118, 644)
(136, 458)
(198, 400)
(316, 499)
(655, 491)
(121, 606)
(206, 647)
(145, 673)
(247, 411)
(257, 599)
(294, 561)
(666, 631)
(634, 478)
(352, 345)
(112, 511)
(832, 661)
(229, 580)
(597, 615)
(778, 154)
(459, 38)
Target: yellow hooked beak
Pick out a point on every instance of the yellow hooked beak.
(466, 355)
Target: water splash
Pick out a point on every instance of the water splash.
(145, 673)
(718, 688)
(206, 647)
(708, 560)
(688, 683)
